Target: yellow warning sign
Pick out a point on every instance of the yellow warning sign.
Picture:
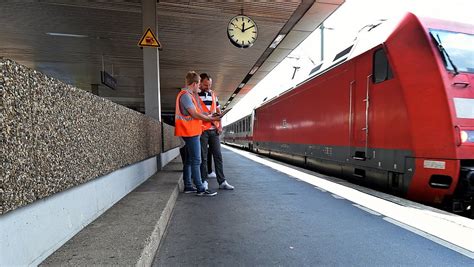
(149, 39)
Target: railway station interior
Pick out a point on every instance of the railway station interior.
(341, 133)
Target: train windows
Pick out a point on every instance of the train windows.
(343, 53)
(456, 49)
(381, 68)
(315, 69)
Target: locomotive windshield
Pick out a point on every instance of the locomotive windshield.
(457, 49)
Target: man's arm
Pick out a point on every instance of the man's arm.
(187, 103)
(200, 116)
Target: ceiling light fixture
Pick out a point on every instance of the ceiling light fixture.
(253, 70)
(277, 40)
(66, 35)
(241, 85)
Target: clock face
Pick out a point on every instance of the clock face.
(242, 31)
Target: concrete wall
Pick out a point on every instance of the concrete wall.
(55, 136)
(30, 234)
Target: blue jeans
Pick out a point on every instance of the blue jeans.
(192, 166)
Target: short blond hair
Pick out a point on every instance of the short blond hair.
(192, 77)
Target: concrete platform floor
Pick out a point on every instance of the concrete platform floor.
(272, 219)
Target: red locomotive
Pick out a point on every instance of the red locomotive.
(394, 111)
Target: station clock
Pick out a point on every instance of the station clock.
(242, 31)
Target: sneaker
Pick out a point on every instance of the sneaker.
(188, 190)
(206, 193)
(206, 185)
(225, 185)
(212, 175)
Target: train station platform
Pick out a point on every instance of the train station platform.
(277, 215)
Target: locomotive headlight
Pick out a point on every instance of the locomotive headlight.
(464, 136)
(467, 136)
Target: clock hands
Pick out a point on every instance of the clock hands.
(243, 29)
(248, 28)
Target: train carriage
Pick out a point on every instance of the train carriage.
(240, 133)
(395, 111)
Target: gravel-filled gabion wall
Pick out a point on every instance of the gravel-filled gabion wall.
(170, 141)
(55, 136)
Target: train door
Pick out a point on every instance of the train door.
(360, 106)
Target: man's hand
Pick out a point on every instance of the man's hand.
(215, 117)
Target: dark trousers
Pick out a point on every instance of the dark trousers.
(209, 162)
(182, 152)
(211, 138)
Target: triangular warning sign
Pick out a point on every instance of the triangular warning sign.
(149, 39)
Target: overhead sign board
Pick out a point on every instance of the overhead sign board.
(149, 39)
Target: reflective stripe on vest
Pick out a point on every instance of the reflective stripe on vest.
(186, 126)
(206, 125)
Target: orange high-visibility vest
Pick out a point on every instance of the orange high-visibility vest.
(186, 126)
(207, 124)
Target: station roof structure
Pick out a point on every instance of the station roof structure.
(74, 40)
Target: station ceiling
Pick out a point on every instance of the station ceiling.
(104, 35)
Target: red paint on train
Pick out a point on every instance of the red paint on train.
(414, 110)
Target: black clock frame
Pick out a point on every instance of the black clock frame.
(235, 43)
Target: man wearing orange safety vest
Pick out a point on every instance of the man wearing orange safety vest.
(188, 125)
(210, 142)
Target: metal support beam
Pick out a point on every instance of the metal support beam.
(151, 65)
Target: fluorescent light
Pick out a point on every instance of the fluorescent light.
(241, 85)
(66, 35)
(253, 70)
(277, 40)
(233, 95)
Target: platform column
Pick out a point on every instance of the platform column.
(151, 65)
